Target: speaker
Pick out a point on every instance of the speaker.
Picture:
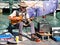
(44, 26)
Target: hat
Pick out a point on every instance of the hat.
(22, 4)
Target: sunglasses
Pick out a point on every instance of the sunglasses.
(23, 7)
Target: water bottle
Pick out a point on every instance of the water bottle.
(17, 39)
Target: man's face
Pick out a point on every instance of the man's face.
(23, 9)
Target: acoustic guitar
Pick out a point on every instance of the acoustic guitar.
(16, 19)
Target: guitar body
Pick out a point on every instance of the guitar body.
(16, 19)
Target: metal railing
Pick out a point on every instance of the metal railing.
(5, 1)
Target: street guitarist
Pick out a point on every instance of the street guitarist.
(20, 23)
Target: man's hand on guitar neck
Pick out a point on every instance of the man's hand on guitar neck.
(30, 19)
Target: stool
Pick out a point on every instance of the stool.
(45, 34)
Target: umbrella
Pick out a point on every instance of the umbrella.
(48, 6)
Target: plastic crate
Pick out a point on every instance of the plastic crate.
(57, 38)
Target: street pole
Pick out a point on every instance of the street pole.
(10, 5)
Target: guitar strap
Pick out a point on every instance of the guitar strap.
(17, 13)
(25, 18)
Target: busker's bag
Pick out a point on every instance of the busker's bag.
(6, 36)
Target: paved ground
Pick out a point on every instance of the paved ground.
(28, 42)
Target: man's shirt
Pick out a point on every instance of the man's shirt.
(14, 14)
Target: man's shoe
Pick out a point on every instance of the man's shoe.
(33, 37)
(20, 37)
(36, 39)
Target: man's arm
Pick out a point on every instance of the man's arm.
(12, 16)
